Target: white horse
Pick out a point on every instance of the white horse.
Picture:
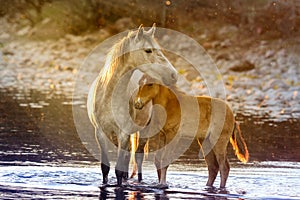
(108, 106)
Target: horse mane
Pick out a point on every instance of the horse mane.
(116, 57)
(145, 79)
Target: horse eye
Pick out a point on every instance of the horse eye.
(148, 50)
(150, 85)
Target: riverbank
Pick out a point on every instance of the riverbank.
(261, 76)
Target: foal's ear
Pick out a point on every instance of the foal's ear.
(140, 33)
(145, 79)
(152, 30)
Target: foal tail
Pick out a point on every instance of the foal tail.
(238, 143)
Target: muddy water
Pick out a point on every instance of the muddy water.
(41, 156)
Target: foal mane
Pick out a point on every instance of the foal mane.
(116, 57)
(146, 79)
(173, 91)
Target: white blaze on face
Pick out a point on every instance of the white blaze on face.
(139, 100)
(144, 81)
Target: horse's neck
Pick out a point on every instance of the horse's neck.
(113, 101)
(120, 79)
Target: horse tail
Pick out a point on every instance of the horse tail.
(238, 143)
(134, 138)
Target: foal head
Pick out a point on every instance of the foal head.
(148, 90)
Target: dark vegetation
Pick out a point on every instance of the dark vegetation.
(275, 18)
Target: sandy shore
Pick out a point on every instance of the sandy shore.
(261, 77)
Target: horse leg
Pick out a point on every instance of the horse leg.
(105, 166)
(158, 167)
(139, 157)
(160, 157)
(123, 158)
(163, 176)
(220, 150)
(158, 170)
(161, 171)
(126, 164)
(213, 168)
(224, 168)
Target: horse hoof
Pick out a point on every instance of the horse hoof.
(241, 191)
(125, 176)
(142, 182)
(119, 181)
(119, 188)
(223, 190)
(162, 186)
(103, 186)
(140, 177)
(210, 189)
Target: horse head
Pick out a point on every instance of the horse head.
(146, 55)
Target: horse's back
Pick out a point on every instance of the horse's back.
(213, 106)
(215, 116)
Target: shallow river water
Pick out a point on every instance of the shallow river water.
(42, 157)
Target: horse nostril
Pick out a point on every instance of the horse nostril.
(174, 76)
(172, 80)
(138, 104)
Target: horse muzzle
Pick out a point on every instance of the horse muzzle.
(138, 104)
(172, 80)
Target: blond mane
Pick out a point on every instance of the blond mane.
(116, 57)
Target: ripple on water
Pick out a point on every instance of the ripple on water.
(83, 180)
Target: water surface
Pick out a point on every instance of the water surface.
(42, 157)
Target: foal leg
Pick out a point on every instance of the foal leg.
(213, 168)
(220, 150)
(158, 166)
(224, 168)
(163, 176)
(161, 170)
(161, 158)
(161, 173)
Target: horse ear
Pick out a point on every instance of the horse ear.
(152, 30)
(140, 33)
(142, 80)
(145, 79)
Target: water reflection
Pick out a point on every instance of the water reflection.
(271, 141)
(38, 127)
(125, 193)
